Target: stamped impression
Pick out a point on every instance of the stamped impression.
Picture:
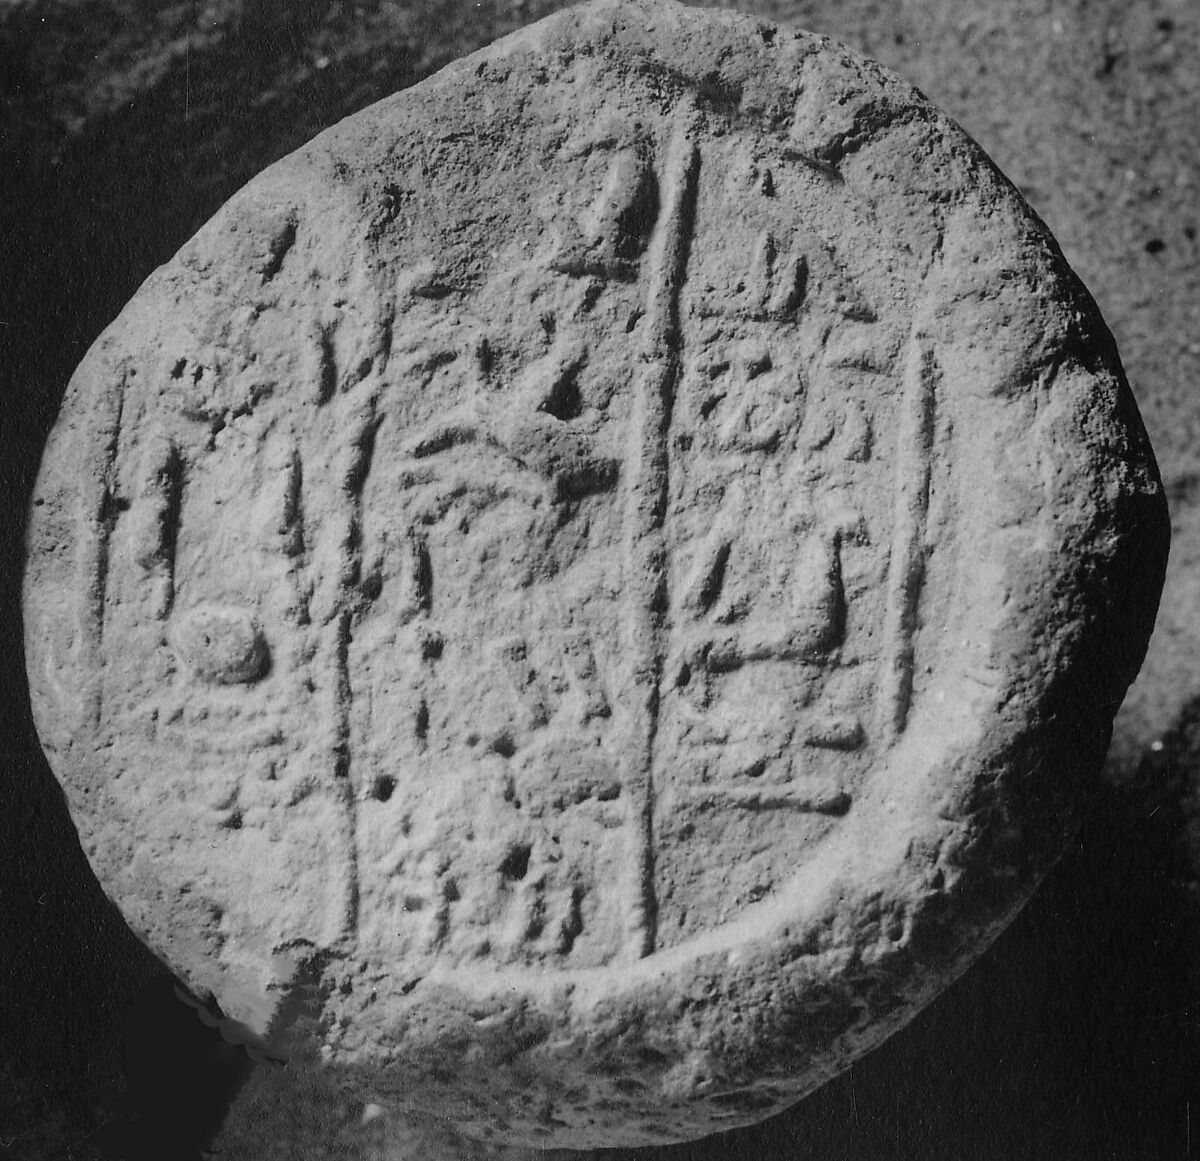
(596, 587)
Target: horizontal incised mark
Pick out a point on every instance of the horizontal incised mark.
(810, 798)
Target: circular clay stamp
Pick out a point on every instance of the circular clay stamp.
(597, 586)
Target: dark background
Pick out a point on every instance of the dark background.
(125, 125)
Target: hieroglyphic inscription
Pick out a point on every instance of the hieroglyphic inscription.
(506, 439)
(608, 649)
(776, 548)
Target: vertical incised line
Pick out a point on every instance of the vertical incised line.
(170, 481)
(647, 493)
(99, 507)
(349, 565)
(107, 509)
(344, 785)
(355, 482)
(906, 568)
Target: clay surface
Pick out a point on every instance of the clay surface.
(593, 589)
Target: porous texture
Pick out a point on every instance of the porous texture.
(595, 587)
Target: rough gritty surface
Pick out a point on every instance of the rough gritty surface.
(580, 586)
(1099, 240)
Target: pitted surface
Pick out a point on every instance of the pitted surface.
(583, 587)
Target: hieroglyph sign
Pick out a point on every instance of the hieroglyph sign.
(588, 598)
